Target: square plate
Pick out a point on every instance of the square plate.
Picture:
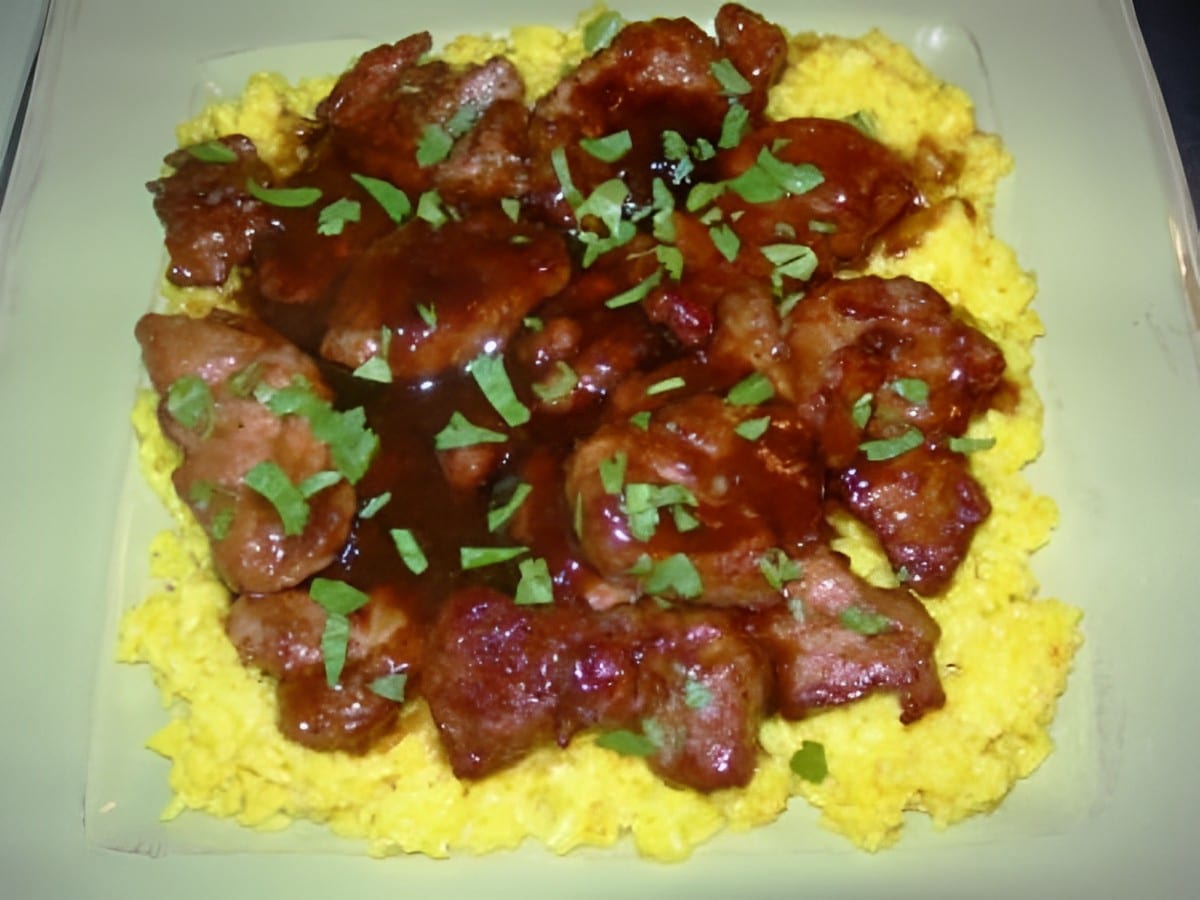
(1096, 210)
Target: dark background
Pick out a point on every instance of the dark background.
(1171, 29)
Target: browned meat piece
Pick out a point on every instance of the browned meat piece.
(867, 336)
(656, 76)
(840, 639)
(601, 346)
(349, 716)
(703, 689)
(301, 260)
(211, 220)
(865, 187)
(924, 506)
(228, 433)
(444, 294)
(502, 679)
(678, 496)
(756, 47)
(281, 635)
(493, 679)
(379, 111)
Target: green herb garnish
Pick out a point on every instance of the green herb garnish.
(212, 152)
(501, 514)
(489, 373)
(609, 148)
(390, 687)
(627, 743)
(558, 384)
(752, 390)
(778, 568)
(599, 32)
(338, 599)
(434, 144)
(753, 429)
(477, 557)
(190, 403)
(864, 621)
(889, 448)
(460, 432)
(731, 80)
(410, 551)
(635, 294)
(270, 481)
(333, 218)
(535, 588)
(292, 198)
(970, 444)
(914, 390)
(393, 200)
(809, 762)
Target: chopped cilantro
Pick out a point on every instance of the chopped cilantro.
(293, 198)
(499, 515)
(463, 120)
(612, 472)
(731, 80)
(460, 432)
(374, 505)
(889, 448)
(562, 170)
(410, 551)
(333, 218)
(635, 294)
(434, 144)
(535, 588)
(428, 314)
(642, 503)
(641, 419)
(511, 207)
(864, 121)
(971, 444)
(489, 373)
(627, 743)
(390, 687)
(778, 568)
(431, 209)
(270, 481)
(609, 148)
(752, 390)
(338, 599)
(351, 443)
(860, 413)
(393, 200)
(599, 32)
(864, 621)
(477, 557)
(377, 367)
(809, 762)
(753, 429)
(558, 384)
(317, 482)
(696, 694)
(734, 126)
(726, 241)
(212, 152)
(676, 575)
(914, 390)
(190, 403)
(791, 261)
(703, 194)
(673, 383)
(770, 178)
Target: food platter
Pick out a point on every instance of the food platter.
(1096, 213)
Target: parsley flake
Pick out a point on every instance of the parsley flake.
(461, 432)
(333, 218)
(489, 373)
(190, 403)
(809, 762)
(501, 514)
(609, 148)
(536, 588)
(478, 557)
(393, 200)
(752, 390)
(864, 621)
(292, 198)
(212, 152)
(410, 551)
(889, 448)
(270, 481)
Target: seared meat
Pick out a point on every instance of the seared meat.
(924, 506)
(443, 295)
(646, 495)
(839, 639)
(211, 219)
(502, 679)
(222, 359)
(380, 111)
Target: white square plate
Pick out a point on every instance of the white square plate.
(1095, 208)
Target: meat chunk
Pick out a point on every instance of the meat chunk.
(923, 505)
(226, 432)
(844, 190)
(703, 689)
(443, 294)
(281, 634)
(656, 76)
(502, 679)
(840, 639)
(647, 497)
(381, 110)
(211, 220)
(875, 338)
